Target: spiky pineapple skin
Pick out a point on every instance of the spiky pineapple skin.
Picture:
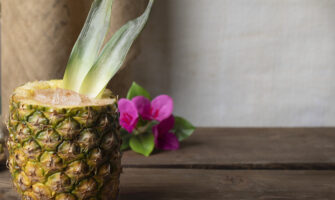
(64, 153)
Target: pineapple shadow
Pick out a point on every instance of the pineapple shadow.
(152, 69)
(122, 12)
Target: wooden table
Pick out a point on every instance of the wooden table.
(232, 164)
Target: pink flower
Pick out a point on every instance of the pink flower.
(143, 106)
(164, 139)
(158, 109)
(128, 114)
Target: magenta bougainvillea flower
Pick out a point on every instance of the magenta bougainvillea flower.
(158, 109)
(164, 138)
(161, 107)
(150, 124)
(143, 106)
(128, 114)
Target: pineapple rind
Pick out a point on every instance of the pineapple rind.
(61, 153)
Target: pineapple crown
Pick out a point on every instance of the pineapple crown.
(88, 70)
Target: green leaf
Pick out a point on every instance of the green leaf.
(137, 90)
(125, 135)
(145, 126)
(113, 55)
(143, 144)
(182, 128)
(88, 44)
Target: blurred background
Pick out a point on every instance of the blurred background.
(238, 63)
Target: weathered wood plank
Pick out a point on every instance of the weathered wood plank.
(6, 187)
(175, 184)
(248, 148)
(165, 184)
(245, 148)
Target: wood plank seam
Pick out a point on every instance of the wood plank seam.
(243, 166)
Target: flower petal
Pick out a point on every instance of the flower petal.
(143, 106)
(128, 114)
(166, 141)
(161, 107)
(125, 105)
(166, 125)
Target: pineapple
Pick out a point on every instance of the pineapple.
(2, 155)
(63, 152)
(64, 141)
(2, 151)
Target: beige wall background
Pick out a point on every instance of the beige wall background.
(243, 62)
(225, 62)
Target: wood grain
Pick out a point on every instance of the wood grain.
(183, 184)
(171, 175)
(247, 148)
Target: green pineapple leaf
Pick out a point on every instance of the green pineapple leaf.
(143, 143)
(137, 90)
(182, 128)
(113, 55)
(87, 47)
(125, 135)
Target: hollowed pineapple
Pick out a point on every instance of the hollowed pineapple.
(63, 150)
(64, 145)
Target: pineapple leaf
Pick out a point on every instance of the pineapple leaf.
(143, 143)
(113, 55)
(182, 128)
(88, 44)
(136, 90)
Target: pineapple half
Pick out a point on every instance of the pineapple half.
(60, 151)
(64, 141)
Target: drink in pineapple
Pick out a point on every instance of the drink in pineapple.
(58, 150)
(64, 141)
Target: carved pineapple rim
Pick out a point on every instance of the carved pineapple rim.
(25, 94)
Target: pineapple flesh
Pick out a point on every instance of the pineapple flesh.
(63, 147)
